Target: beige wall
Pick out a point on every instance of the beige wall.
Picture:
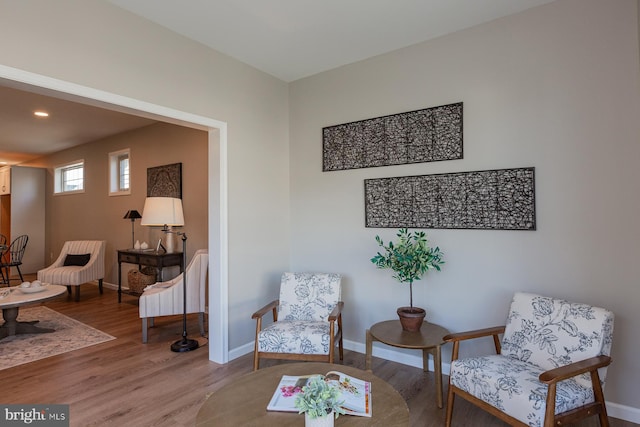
(556, 88)
(94, 215)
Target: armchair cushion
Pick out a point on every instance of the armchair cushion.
(80, 260)
(296, 336)
(513, 387)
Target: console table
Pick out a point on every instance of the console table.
(156, 259)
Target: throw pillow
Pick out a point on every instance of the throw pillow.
(81, 259)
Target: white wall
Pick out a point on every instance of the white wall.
(94, 44)
(556, 88)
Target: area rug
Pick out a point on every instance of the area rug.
(69, 335)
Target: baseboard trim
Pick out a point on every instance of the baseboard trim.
(623, 412)
(615, 410)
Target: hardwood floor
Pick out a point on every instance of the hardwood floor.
(126, 383)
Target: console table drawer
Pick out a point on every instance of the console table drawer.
(131, 259)
(150, 261)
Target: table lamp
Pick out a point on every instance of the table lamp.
(165, 212)
(132, 215)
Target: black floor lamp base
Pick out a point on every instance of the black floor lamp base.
(185, 344)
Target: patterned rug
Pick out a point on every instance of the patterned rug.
(69, 335)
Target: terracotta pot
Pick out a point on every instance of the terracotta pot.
(411, 318)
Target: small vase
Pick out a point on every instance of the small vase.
(411, 318)
(137, 245)
(326, 421)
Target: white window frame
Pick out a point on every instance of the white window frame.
(115, 173)
(58, 177)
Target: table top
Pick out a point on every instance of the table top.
(244, 401)
(390, 332)
(151, 252)
(18, 299)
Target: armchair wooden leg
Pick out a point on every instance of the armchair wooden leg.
(69, 290)
(100, 285)
(256, 357)
(256, 360)
(78, 293)
(449, 415)
(599, 397)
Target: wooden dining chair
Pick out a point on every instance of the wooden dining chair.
(13, 257)
(4, 248)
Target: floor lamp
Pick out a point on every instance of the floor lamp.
(167, 212)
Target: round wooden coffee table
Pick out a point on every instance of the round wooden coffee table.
(16, 299)
(244, 401)
(428, 339)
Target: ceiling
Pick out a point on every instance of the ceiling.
(23, 136)
(289, 39)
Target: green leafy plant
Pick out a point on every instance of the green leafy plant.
(409, 258)
(319, 398)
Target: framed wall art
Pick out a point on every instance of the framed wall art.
(165, 181)
(502, 199)
(427, 135)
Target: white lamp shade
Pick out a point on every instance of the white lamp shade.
(161, 211)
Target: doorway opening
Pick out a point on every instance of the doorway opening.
(217, 176)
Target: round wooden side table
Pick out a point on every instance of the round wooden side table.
(428, 339)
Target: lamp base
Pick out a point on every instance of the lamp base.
(185, 344)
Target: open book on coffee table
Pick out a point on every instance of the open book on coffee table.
(355, 393)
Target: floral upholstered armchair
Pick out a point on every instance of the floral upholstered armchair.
(549, 368)
(307, 320)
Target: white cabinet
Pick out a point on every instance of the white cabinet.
(22, 211)
(5, 180)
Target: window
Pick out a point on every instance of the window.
(69, 178)
(119, 176)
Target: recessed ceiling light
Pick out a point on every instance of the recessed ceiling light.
(41, 113)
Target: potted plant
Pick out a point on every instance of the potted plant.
(319, 401)
(409, 258)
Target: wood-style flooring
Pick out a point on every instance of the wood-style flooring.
(126, 383)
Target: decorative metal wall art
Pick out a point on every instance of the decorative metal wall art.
(502, 199)
(165, 181)
(427, 135)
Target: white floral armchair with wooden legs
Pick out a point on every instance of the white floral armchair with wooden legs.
(167, 298)
(307, 320)
(549, 369)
